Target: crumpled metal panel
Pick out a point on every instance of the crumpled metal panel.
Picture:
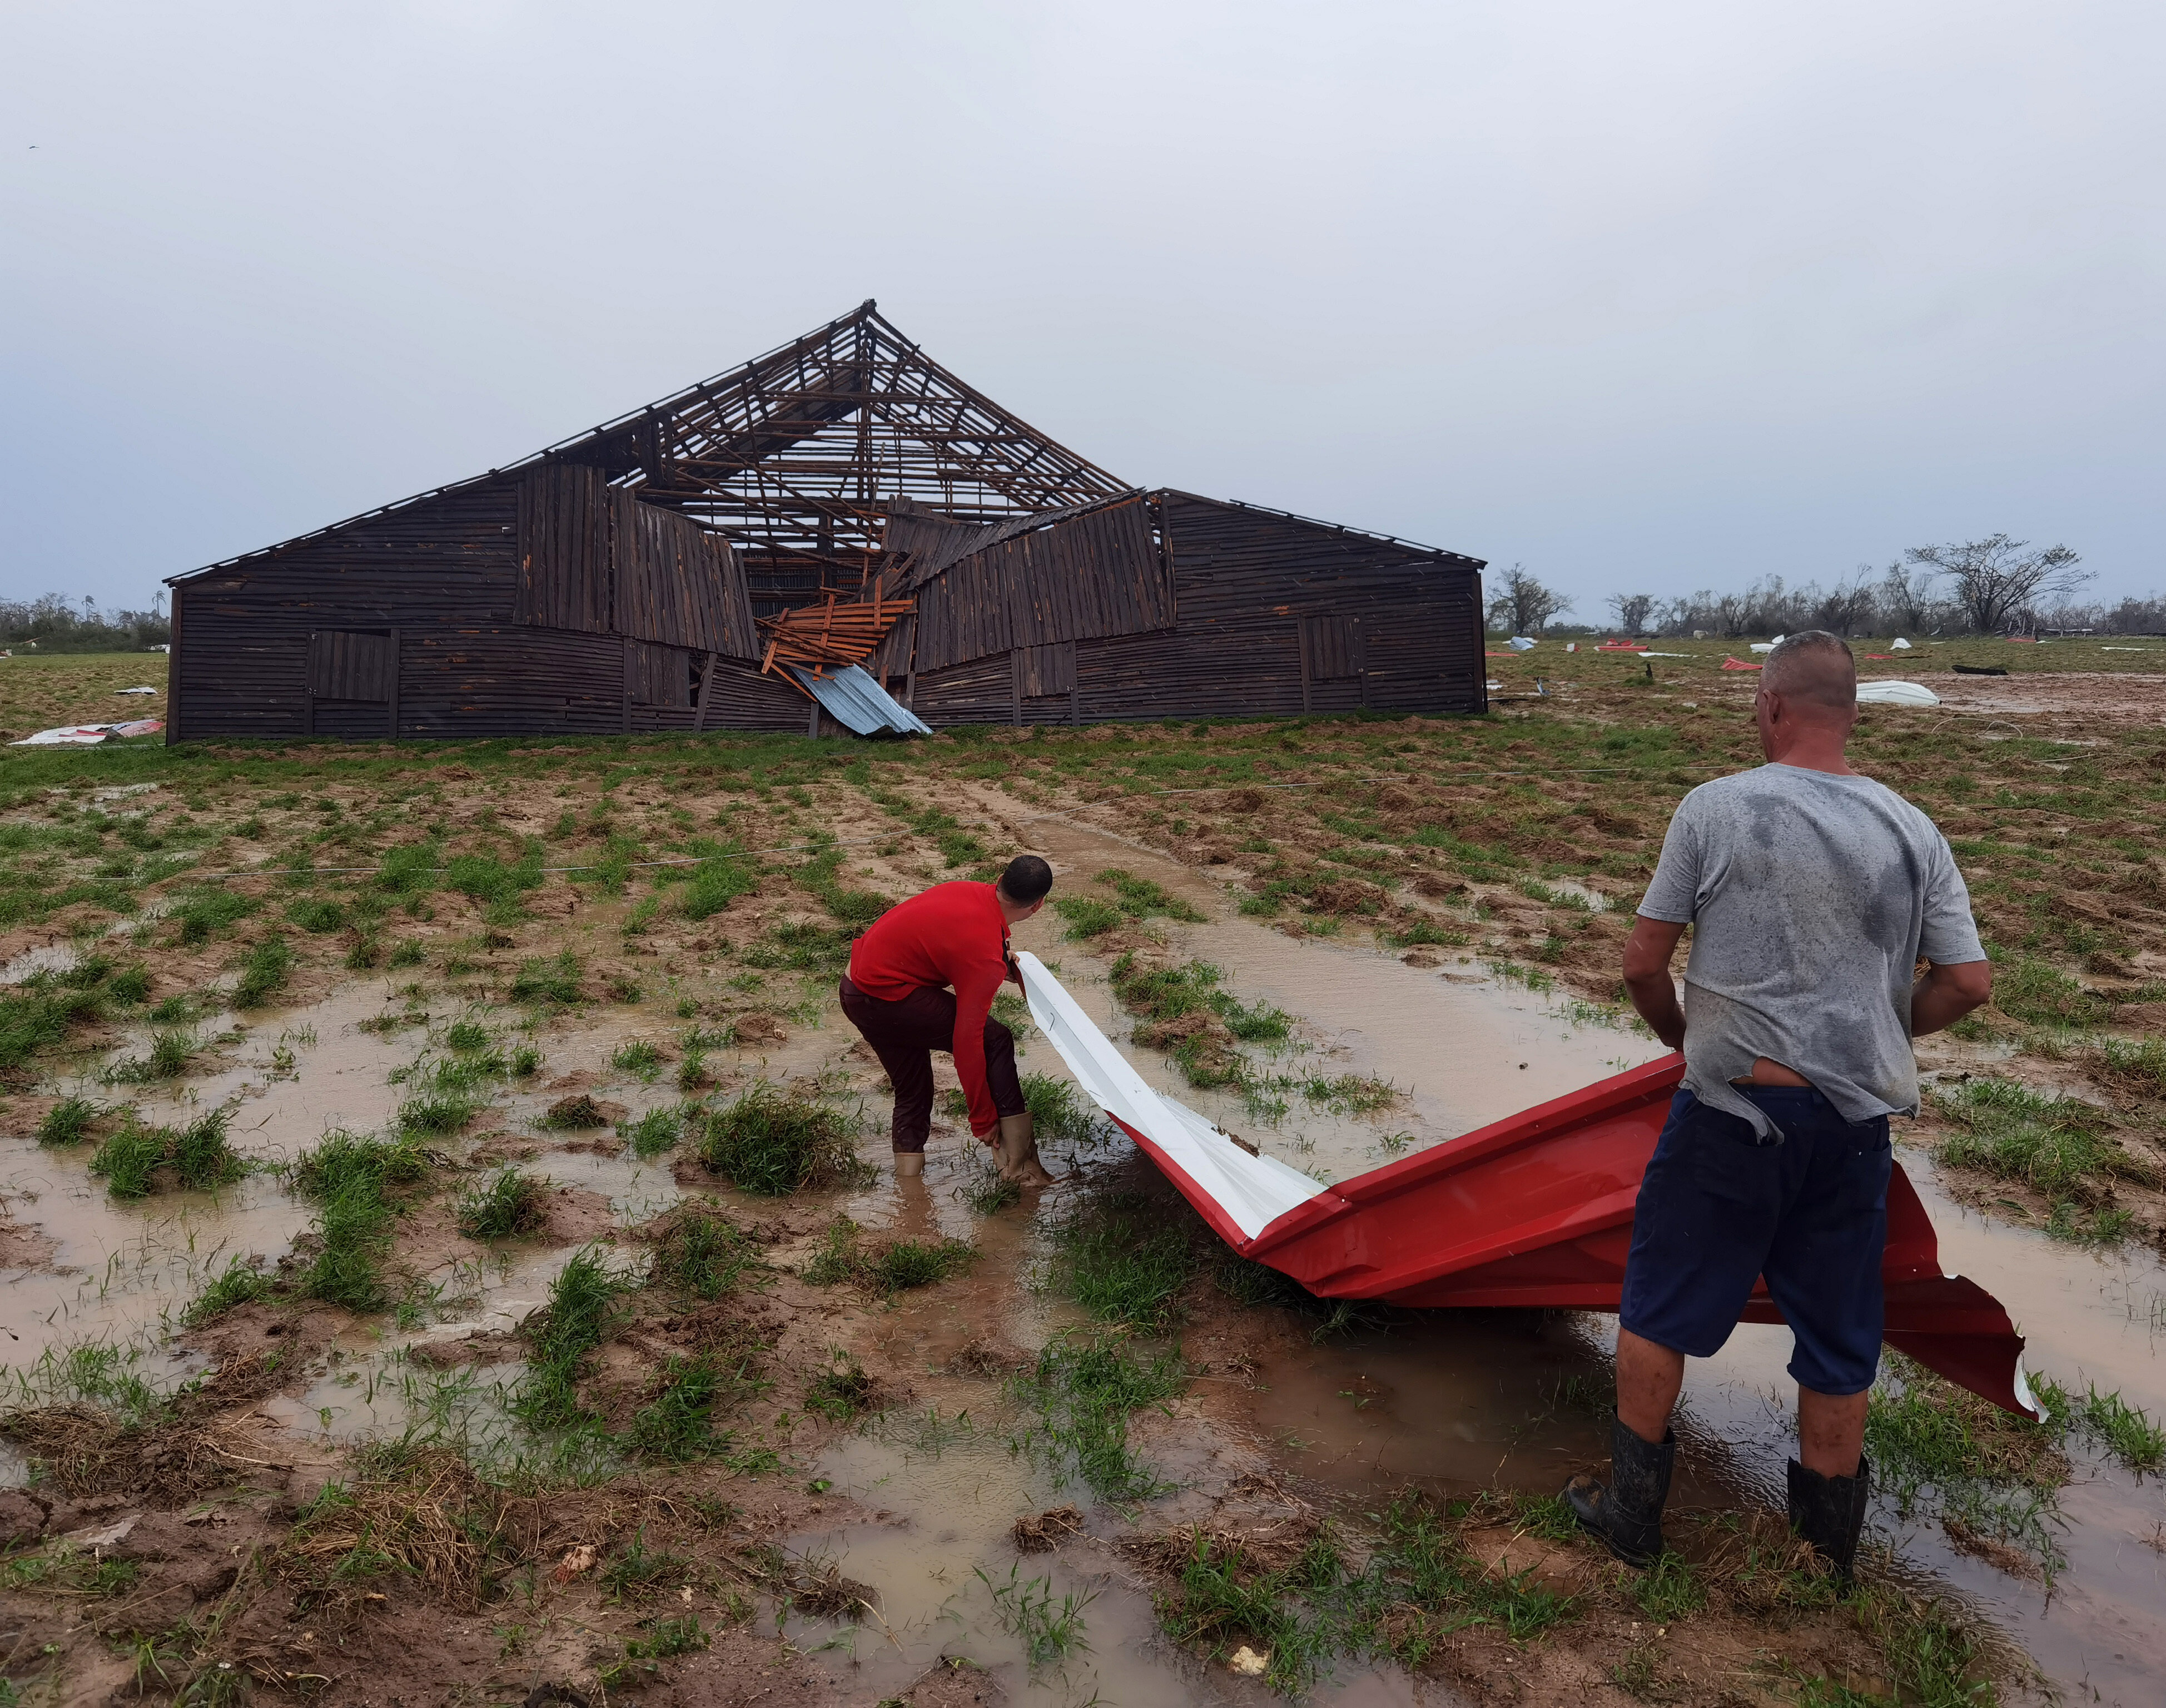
(859, 703)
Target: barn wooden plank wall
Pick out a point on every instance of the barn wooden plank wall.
(565, 550)
(1397, 628)
(677, 583)
(1096, 573)
(346, 664)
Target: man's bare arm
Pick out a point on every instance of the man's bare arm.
(1946, 993)
(1647, 954)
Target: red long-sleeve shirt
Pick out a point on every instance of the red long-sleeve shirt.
(951, 934)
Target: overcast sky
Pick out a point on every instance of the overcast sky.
(1647, 297)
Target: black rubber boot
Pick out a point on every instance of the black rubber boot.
(1628, 1514)
(1829, 1512)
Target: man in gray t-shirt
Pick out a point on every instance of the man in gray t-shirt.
(1812, 893)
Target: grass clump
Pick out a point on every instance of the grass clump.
(1050, 1630)
(237, 1284)
(639, 1058)
(887, 1267)
(1084, 1391)
(678, 1426)
(67, 1122)
(540, 979)
(841, 1392)
(639, 1570)
(509, 1201)
(770, 1142)
(1182, 1011)
(582, 1309)
(172, 1051)
(1986, 1472)
(716, 883)
(352, 1180)
(1120, 1259)
(2060, 1145)
(200, 1155)
(653, 1133)
(263, 973)
(698, 1250)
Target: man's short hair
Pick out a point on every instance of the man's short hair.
(1025, 880)
(1815, 667)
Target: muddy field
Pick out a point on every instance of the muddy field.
(452, 1256)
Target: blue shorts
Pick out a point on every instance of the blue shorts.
(1718, 1208)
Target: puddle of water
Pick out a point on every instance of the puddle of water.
(121, 1272)
(45, 958)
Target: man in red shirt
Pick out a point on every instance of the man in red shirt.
(923, 978)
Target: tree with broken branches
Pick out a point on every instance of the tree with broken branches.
(1631, 610)
(1523, 605)
(1997, 579)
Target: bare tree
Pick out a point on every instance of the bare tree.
(1847, 607)
(1523, 605)
(1906, 598)
(1632, 611)
(1998, 579)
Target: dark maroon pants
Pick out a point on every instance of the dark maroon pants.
(904, 1033)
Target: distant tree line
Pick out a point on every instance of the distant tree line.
(54, 623)
(1996, 585)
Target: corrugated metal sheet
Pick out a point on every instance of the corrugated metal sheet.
(858, 703)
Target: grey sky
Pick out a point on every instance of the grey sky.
(1658, 297)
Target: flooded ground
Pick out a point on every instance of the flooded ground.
(919, 1504)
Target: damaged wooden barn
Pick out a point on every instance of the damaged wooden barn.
(841, 534)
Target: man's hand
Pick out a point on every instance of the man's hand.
(1947, 993)
(1647, 954)
(1015, 971)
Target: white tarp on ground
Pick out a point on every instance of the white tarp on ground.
(1253, 1191)
(1885, 693)
(84, 735)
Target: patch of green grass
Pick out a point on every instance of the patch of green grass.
(351, 1179)
(639, 1058)
(1939, 1448)
(171, 1051)
(699, 1250)
(2060, 1145)
(771, 1143)
(467, 1037)
(841, 1392)
(1087, 916)
(1051, 1629)
(1084, 1390)
(717, 883)
(540, 979)
(2035, 992)
(1122, 1260)
(678, 1426)
(639, 1570)
(582, 1309)
(510, 1201)
(263, 972)
(803, 948)
(986, 1190)
(237, 1284)
(2124, 1431)
(886, 1266)
(653, 1133)
(203, 911)
(200, 1155)
(1417, 933)
(316, 914)
(67, 1122)
(129, 986)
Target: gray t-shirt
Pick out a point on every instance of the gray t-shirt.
(1811, 898)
